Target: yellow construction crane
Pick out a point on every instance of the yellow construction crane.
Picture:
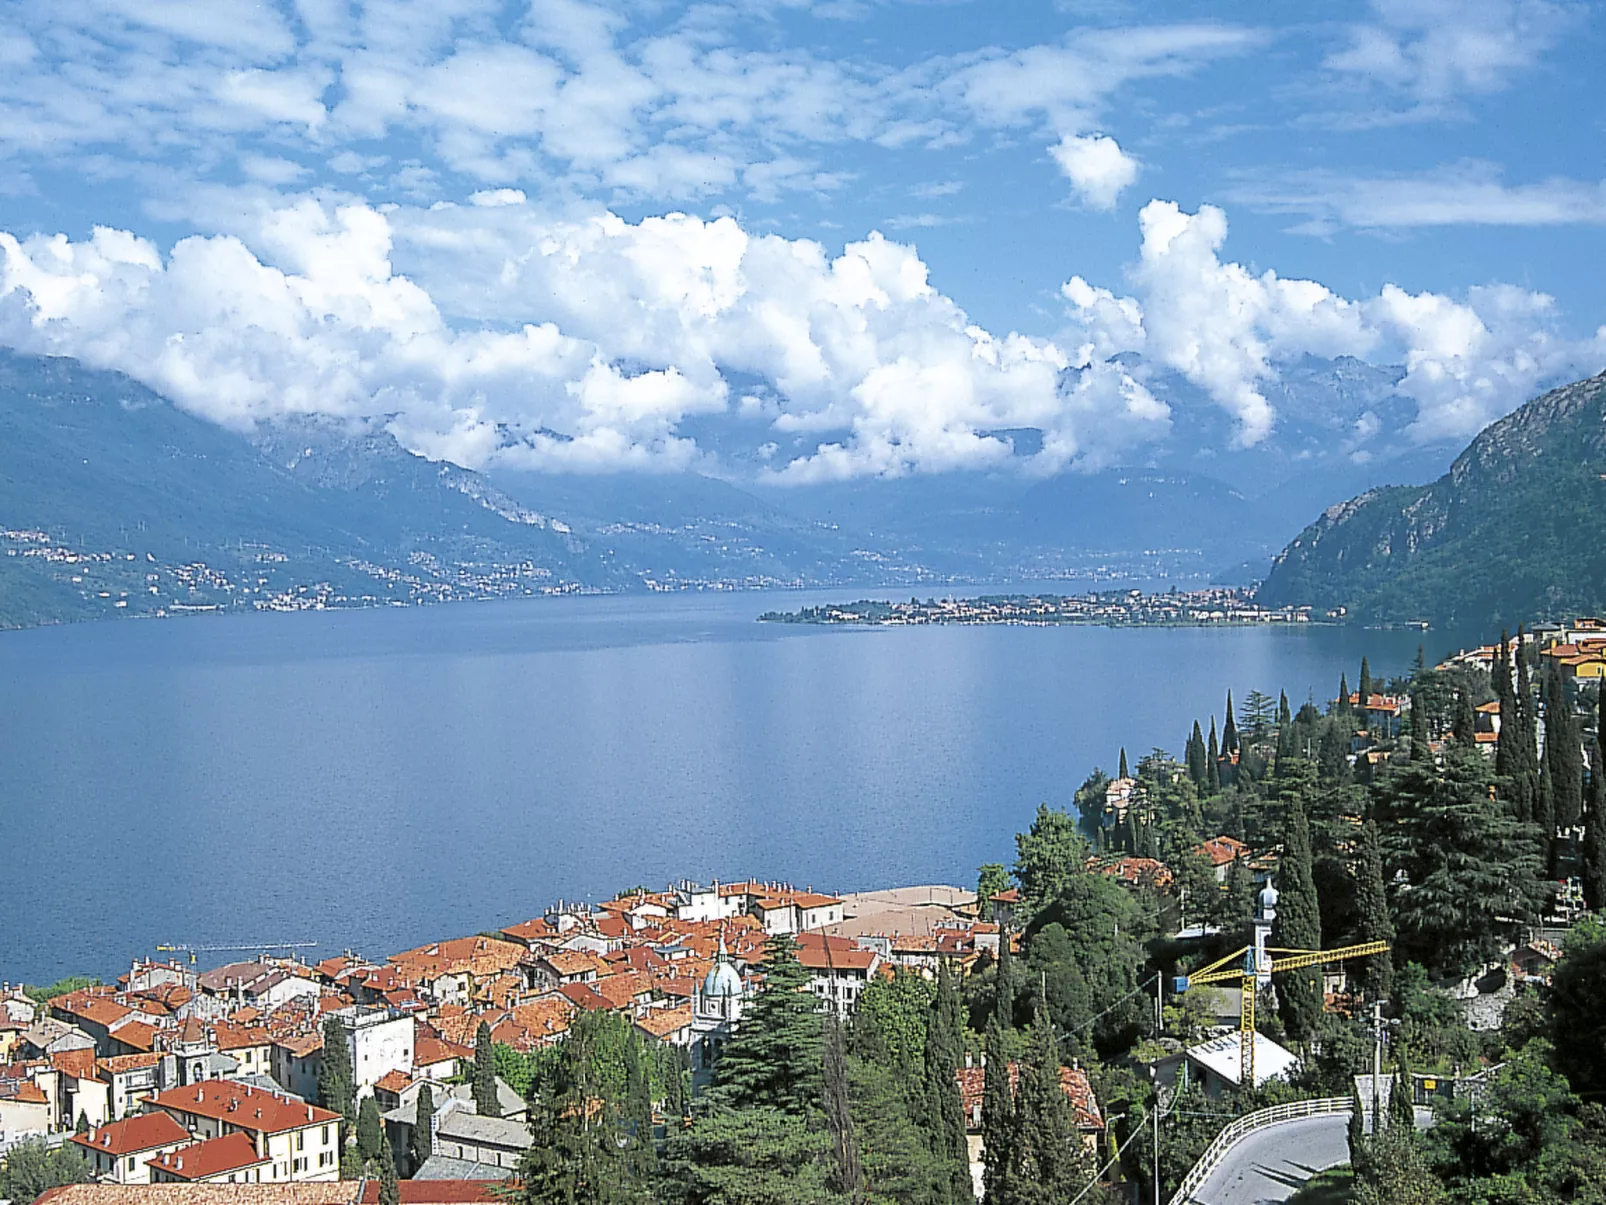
(1253, 965)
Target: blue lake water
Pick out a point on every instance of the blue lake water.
(377, 779)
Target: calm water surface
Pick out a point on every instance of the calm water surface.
(377, 779)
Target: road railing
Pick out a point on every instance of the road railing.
(1240, 1128)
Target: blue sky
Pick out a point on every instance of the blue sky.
(552, 234)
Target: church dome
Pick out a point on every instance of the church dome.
(722, 980)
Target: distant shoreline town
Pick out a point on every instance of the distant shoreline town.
(1211, 607)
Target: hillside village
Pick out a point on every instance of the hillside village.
(236, 1050)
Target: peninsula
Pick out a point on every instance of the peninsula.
(1214, 606)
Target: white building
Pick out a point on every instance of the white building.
(292, 1140)
(716, 1008)
(380, 1041)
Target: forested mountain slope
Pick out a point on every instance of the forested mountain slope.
(1512, 532)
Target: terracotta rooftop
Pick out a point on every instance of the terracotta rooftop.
(1222, 850)
(243, 1106)
(214, 1157)
(1073, 1082)
(477, 956)
(141, 1132)
(661, 1022)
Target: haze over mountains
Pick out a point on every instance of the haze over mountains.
(135, 506)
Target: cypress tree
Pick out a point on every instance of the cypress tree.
(1229, 730)
(81, 1126)
(1465, 727)
(1049, 1157)
(1299, 926)
(944, 1110)
(423, 1139)
(1593, 853)
(847, 1173)
(1500, 679)
(336, 1089)
(1365, 686)
(370, 1132)
(389, 1189)
(1196, 757)
(1372, 909)
(1419, 729)
(1004, 983)
(773, 1058)
(997, 1120)
(1124, 772)
(486, 1102)
(642, 1156)
(1356, 1133)
(1521, 759)
(1285, 716)
(1563, 753)
(1343, 705)
(1213, 761)
(1401, 1112)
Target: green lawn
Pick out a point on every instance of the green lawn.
(1327, 1188)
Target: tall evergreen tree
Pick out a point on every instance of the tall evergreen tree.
(773, 1058)
(1125, 773)
(1563, 751)
(1004, 982)
(847, 1176)
(1465, 727)
(1285, 716)
(1402, 1112)
(1051, 1164)
(1372, 910)
(1474, 872)
(1518, 759)
(997, 1120)
(944, 1119)
(336, 1089)
(422, 1141)
(1365, 686)
(486, 1102)
(1213, 761)
(1229, 730)
(1419, 728)
(389, 1189)
(641, 1153)
(1298, 926)
(1342, 706)
(1593, 851)
(1196, 757)
(370, 1130)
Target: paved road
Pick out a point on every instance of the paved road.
(1270, 1165)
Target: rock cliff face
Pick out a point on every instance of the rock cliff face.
(1514, 531)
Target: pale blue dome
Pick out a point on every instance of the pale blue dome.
(722, 980)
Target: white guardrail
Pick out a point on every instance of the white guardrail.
(1236, 1131)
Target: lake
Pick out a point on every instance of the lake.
(377, 779)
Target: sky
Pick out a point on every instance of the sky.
(877, 235)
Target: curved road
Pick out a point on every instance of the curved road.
(1270, 1165)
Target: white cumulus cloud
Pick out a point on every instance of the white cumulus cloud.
(1096, 166)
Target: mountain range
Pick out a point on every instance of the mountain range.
(1511, 533)
(115, 501)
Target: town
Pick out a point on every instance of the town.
(1209, 606)
(1372, 914)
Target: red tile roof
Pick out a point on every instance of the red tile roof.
(819, 952)
(142, 1132)
(439, 1192)
(1222, 850)
(662, 1022)
(1073, 1082)
(428, 1051)
(80, 1064)
(243, 1106)
(395, 1081)
(214, 1157)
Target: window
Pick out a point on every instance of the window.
(301, 1140)
(131, 1163)
(324, 1137)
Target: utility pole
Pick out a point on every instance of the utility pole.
(1156, 1144)
(1159, 1011)
(1377, 1060)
